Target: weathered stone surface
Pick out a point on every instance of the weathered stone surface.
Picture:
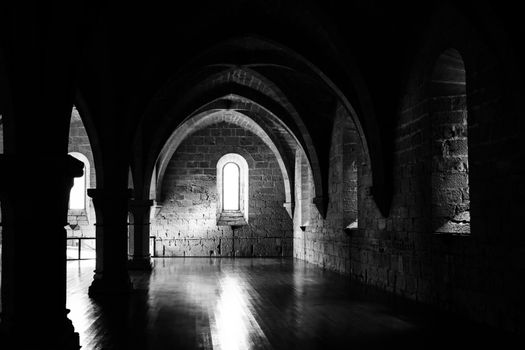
(188, 223)
(447, 240)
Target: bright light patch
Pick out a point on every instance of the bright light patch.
(230, 178)
(77, 196)
(233, 325)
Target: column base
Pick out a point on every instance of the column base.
(140, 264)
(108, 286)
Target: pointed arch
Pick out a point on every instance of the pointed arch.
(449, 149)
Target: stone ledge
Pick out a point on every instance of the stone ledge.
(233, 218)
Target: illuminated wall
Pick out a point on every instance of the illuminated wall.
(186, 224)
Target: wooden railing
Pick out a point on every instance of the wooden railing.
(79, 250)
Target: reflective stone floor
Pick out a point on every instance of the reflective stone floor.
(202, 303)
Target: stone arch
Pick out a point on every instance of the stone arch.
(187, 207)
(348, 147)
(364, 122)
(243, 167)
(253, 102)
(204, 119)
(89, 150)
(485, 91)
(94, 139)
(287, 59)
(450, 199)
(239, 150)
(83, 145)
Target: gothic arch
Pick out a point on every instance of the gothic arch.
(203, 67)
(93, 136)
(204, 119)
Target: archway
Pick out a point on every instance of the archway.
(81, 242)
(272, 85)
(205, 119)
(449, 148)
(189, 220)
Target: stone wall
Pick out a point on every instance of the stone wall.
(468, 272)
(186, 224)
(325, 242)
(448, 121)
(463, 271)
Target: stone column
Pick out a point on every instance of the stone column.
(35, 194)
(139, 234)
(111, 274)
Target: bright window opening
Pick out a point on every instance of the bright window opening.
(232, 190)
(231, 186)
(77, 196)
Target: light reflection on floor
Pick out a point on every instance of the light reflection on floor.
(233, 326)
(234, 304)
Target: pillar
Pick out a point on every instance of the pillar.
(35, 194)
(139, 234)
(111, 274)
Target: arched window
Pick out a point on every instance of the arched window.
(230, 186)
(232, 189)
(449, 149)
(77, 196)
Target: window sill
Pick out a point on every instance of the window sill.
(231, 218)
(76, 212)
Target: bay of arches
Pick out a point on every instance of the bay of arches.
(238, 180)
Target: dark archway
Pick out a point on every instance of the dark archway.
(271, 82)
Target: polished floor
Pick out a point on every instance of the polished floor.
(201, 303)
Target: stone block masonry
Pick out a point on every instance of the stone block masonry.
(453, 237)
(324, 242)
(186, 224)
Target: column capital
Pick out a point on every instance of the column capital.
(16, 162)
(140, 208)
(109, 193)
(134, 203)
(16, 168)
